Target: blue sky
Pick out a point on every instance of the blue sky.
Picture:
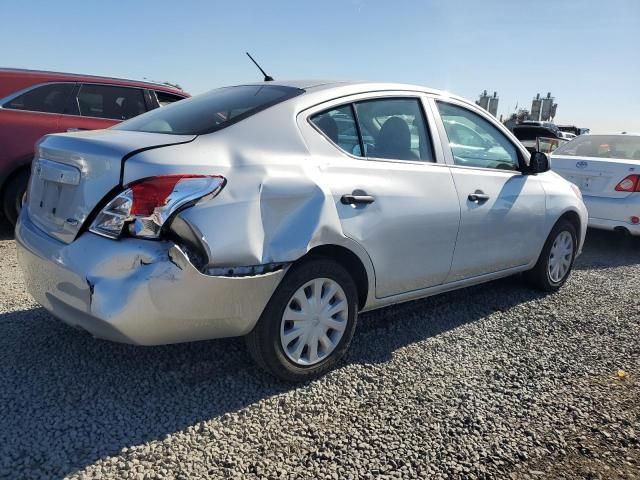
(586, 52)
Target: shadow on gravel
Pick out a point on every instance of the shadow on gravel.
(68, 399)
(605, 249)
(6, 230)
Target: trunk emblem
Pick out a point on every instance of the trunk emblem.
(582, 164)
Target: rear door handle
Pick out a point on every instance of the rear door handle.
(350, 199)
(478, 196)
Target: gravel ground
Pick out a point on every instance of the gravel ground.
(495, 381)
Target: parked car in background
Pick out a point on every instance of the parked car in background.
(606, 168)
(539, 136)
(245, 211)
(576, 131)
(567, 135)
(35, 103)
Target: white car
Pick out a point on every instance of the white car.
(606, 168)
(250, 210)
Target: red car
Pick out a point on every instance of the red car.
(35, 103)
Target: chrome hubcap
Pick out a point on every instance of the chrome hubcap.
(314, 321)
(561, 256)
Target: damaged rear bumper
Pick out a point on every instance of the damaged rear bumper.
(137, 291)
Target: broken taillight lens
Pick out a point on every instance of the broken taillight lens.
(144, 207)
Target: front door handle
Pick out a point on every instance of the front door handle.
(350, 199)
(478, 196)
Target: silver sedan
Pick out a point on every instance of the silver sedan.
(278, 211)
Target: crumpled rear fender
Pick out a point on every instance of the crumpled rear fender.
(273, 209)
(268, 215)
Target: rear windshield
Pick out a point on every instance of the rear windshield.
(607, 146)
(210, 111)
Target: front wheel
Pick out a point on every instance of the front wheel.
(556, 260)
(308, 324)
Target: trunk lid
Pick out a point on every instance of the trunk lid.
(73, 172)
(595, 177)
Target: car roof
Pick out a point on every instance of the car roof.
(48, 76)
(329, 89)
(327, 84)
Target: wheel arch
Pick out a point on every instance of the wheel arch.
(573, 218)
(579, 224)
(5, 185)
(351, 262)
(570, 215)
(23, 165)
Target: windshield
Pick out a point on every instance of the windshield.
(210, 111)
(607, 146)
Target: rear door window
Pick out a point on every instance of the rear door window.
(211, 111)
(339, 126)
(112, 102)
(50, 98)
(395, 129)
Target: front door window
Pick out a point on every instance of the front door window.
(474, 142)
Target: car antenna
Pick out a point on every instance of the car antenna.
(267, 78)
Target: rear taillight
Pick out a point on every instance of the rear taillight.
(144, 207)
(630, 183)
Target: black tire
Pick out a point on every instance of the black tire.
(263, 342)
(12, 196)
(539, 276)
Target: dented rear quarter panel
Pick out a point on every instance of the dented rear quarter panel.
(274, 207)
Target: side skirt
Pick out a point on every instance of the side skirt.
(445, 287)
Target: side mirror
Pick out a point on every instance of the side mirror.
(539, 163)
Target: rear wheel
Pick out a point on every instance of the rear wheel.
(308, 324)
(12, 197)
(556, 260)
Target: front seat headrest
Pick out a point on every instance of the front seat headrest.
(394, 140)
